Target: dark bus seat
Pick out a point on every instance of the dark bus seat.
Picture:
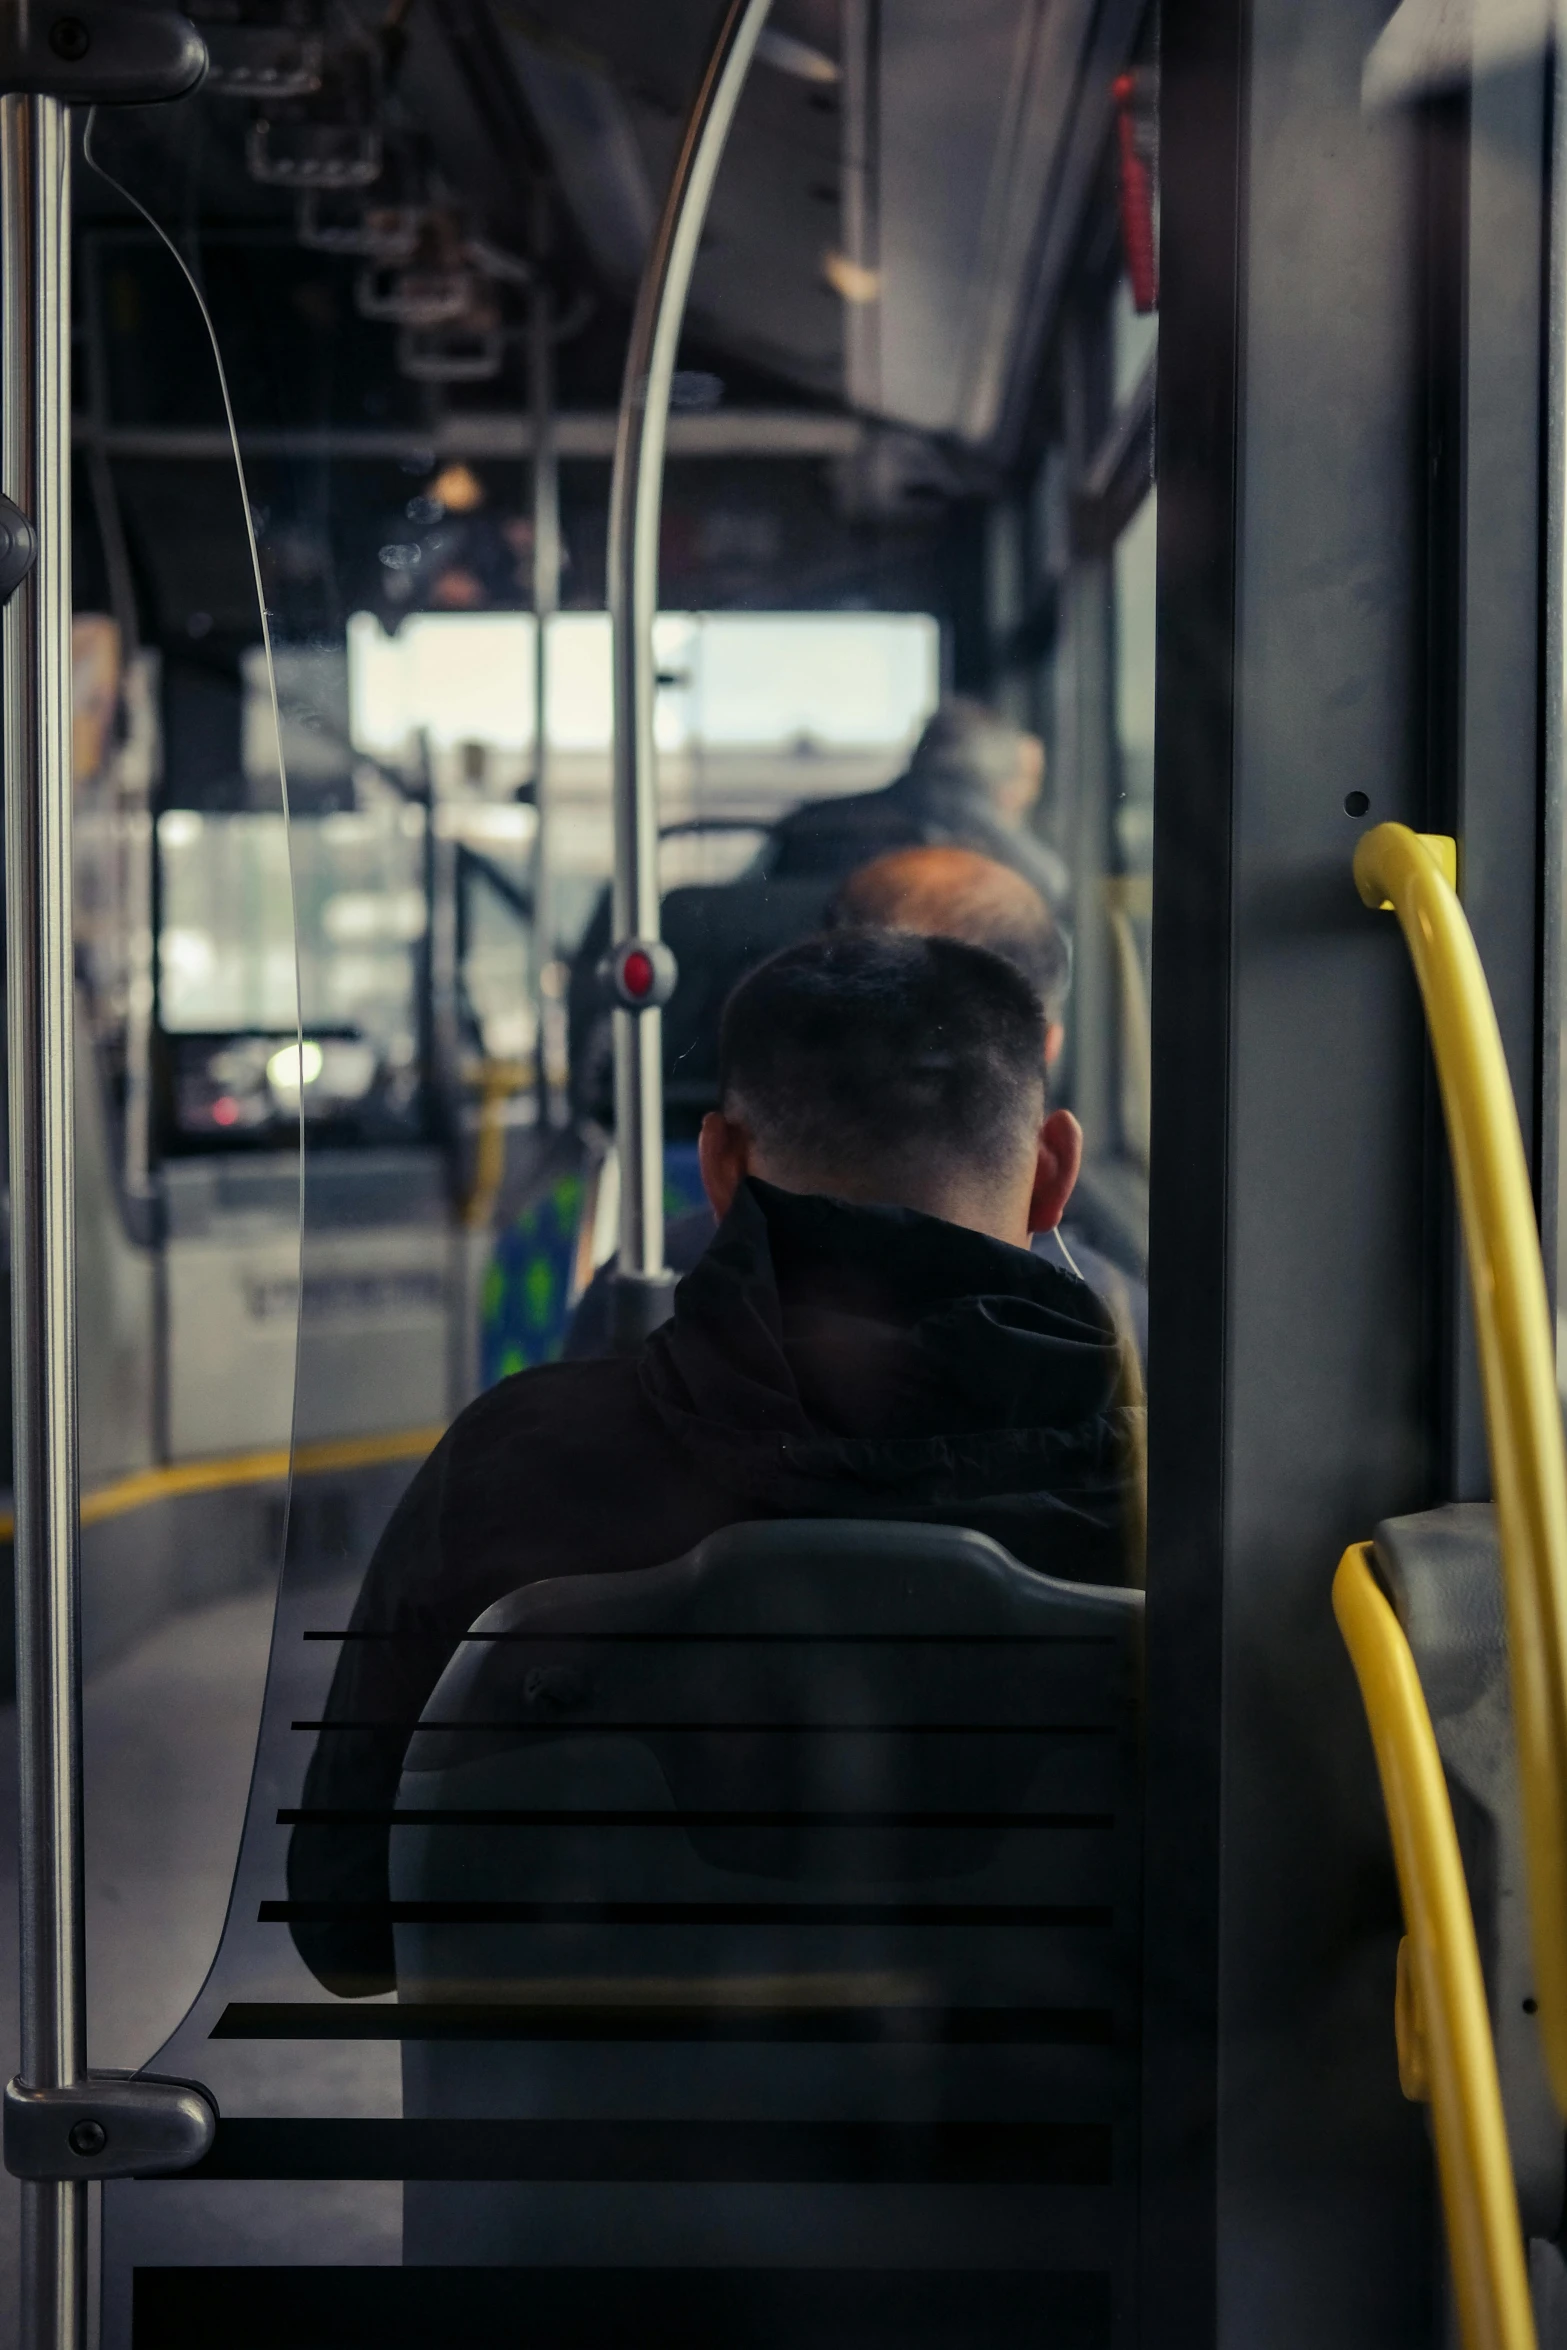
(1442, 1568)
(798, 1882)
(717, 932)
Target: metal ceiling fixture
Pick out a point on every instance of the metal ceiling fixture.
(369, 232)
(271, 49)
(331, 138)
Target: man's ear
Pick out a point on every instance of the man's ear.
(724, 1155)
(1055, 1038)
(1055, 1170)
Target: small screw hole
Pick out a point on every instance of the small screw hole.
(1531, 2006)
(1356, 803)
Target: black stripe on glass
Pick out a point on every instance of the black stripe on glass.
(322, 1816)
(667, 2308)
(584, 1722)
(758, 1639)
(1053, 2154)
(957, 2027)
(680, 1913)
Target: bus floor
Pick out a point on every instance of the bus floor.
(169, 1735)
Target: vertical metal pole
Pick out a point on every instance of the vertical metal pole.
(861, 41)
(546, 602)
(1087, 742)
(35, 650)
(634, 510)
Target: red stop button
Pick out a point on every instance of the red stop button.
(636, 973)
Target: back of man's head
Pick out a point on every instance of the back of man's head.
(882, 1065)
(967, 748)
(956, 893)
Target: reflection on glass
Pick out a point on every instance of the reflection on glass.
(833, 2008)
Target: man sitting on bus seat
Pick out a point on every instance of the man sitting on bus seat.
(945, 893)
(867, 1336)
(971, 782)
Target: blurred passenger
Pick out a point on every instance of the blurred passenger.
(868, 1336)
(971, 783)
(937, 893)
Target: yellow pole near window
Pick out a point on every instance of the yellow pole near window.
(1452, 2060)
(1405, 870)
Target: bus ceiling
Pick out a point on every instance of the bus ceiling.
(884, 245)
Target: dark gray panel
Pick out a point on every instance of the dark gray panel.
(1323, 2170)
(1201, 135)
(1498, 817)
(1294, 1319)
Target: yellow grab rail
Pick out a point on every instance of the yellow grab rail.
(331, 1456)
(1396, 867)
(1484, 2235)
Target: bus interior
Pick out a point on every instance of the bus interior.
(511, 458)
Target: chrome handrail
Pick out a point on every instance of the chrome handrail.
(35, 697)
(52, 2142)
(632, 564)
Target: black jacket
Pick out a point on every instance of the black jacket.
(824, 1360)
(588, 1331)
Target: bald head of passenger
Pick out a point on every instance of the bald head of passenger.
(956, 893)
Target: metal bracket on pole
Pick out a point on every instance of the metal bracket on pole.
(642, 1287)
(18, 548)
(107, 2126)
(100, 53)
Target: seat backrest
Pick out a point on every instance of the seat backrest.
(798, 1881)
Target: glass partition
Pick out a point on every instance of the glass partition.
(768, 1937)
(187, 1167)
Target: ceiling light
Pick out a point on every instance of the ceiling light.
(458, 488)
(851, 280)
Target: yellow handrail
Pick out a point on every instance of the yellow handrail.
(1484, 2235)
(222, 1473)
(1396, 867)
(498, 1081)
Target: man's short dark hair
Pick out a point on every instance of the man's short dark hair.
(878, 1049)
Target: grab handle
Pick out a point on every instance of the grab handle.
(1448, 2053)
(1401, 869)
